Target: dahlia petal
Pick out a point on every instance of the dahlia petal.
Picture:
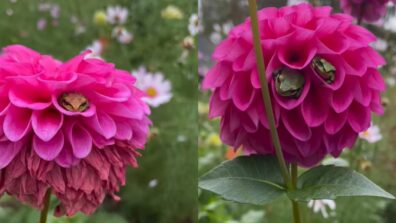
(376, 103)
(359, 118)
(335, 44)
(124, 131)
(343, 97)
(125, 110)
(80, 140)
(245, 63)
(295, 124)
(46, 123)
(48, 150)
(315, 108)
(360, 35)
(242, 90)
(8, 152)
(255, 79)
(66, 157)
(4, 106)
(299, 50)
(103, 124)
(17, 123)
(355, 64)
(20, 53)
(362, 94)
(117, 93)
(335, 122)
(216, 76)
(26, 97)
(217, 106)
(374, 80)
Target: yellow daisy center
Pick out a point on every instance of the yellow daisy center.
(151, 92)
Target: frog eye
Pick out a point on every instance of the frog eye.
(288, 82)
(324, 69)
(83, 106)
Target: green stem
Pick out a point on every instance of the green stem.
(44, 212)
(296, 208)
(265, 93)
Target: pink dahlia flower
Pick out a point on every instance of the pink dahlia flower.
(322, 75)
(368, 10)
(70, 127)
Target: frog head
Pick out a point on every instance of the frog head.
(289, 82)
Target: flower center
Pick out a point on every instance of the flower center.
(324, 68)
(366, 134)
(73, 102)
(151, 92)
(288, 82)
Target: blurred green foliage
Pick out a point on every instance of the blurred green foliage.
(170, 158)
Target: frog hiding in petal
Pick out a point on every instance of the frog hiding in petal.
(73, 102)
(324, 68)
(288, 82)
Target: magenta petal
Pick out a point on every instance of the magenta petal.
(242, 91)
(103, 124)
(124, 131)
(295, 124)
(334, 44)
(48, 150)
(117, 93)
(315, 108)
(374, 80)
(4, 106)
(359, 117)
(298, 52)
(343, 97)
(26, 97)
(17, 123)
(80, 141)
(335, 122)
(217, 75)
(46, 123)
(217, 106)
(8, 151)
(363, 93)
(66, 158)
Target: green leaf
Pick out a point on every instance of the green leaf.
(246, 179)
(330, 182)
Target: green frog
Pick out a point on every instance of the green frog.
(288, 82)
(324, 68)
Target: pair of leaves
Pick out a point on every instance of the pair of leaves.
(258, 180)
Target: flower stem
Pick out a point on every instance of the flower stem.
(265, 93)
(44, 212)
(296, 208)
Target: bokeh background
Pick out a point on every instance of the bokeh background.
(156, 35)
(374, 155)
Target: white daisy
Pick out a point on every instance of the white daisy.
(295, 2)
(380, 45)
(372, 134)
(117, 14)
(321, 205)
(390, 24)
(122, 35)
(156, 87)
(194, 26)
(96, 48)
